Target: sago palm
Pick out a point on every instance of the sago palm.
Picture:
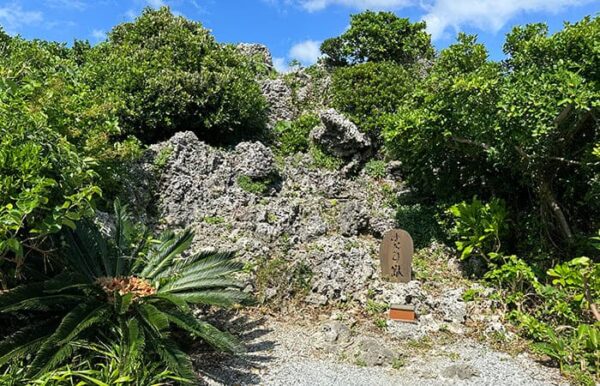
(109, 285)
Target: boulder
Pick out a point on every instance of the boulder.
(353, 218)
(372, 353)
(338, 136)
(253, 159)
(280, 99)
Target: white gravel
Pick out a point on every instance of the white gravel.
(285, 354)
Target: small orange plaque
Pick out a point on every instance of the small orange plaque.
(403, 313)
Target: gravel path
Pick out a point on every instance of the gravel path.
(285, 354)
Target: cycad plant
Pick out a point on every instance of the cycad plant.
(115, 286)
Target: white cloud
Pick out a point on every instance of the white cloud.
(280, 64)
(13, 17)
(99, 34)
(444, 16)
(307, 52)
(485, 15)
(317, 5)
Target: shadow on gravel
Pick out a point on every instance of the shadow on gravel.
(243, 369)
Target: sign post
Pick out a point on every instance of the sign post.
(396, 255)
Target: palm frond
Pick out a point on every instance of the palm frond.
(169, 299)
(20, 293)
(160, 257)
(201, 283)
(134, 342)
(218, 339)
(175, 359)
(212, 264)
(124, 230)
(57, 357)
(122, 303)
(155, 319)
(65, 281)
(25, 341)
(43, 303)
(203, 258)
(211, 268)
(87, 251)
(221, 298)
(79, 319)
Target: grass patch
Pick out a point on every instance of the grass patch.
(163, 157)
(323, 160)
(376, 168)
(256, 186)
(293, 136)
(213, 220)
(291, 280)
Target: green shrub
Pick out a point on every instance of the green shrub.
(367, 92)
(168, 74)
(376, 168)
(563, 317)
(52, 93)
(421, 221)
(162, 158)
(142, 290)
(479, 227)
(379, 37)
(524, 132)
(324, 160)
(105, 364)
(293, 137)
(45, 183)
(556, 310)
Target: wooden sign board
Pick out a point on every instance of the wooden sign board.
(396, 255)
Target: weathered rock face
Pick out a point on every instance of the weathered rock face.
(254, 160)
(309, 93)
(280, 98)
(339, 136)
(317, 217)
(258, 51)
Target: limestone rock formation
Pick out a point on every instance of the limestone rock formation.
(280, 98)
(317, 218)
(339, 136)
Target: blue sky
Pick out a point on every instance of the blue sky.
(290, 28)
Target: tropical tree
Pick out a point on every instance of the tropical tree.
(379, 37)
(168, 74)
(117, 288)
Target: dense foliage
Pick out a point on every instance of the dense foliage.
(168, 74)
(292, 137)
(524, 131)
(379, 37)
(71, 118)
(117, 288)
(45, 182)
(558, 309)
(367, 92)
